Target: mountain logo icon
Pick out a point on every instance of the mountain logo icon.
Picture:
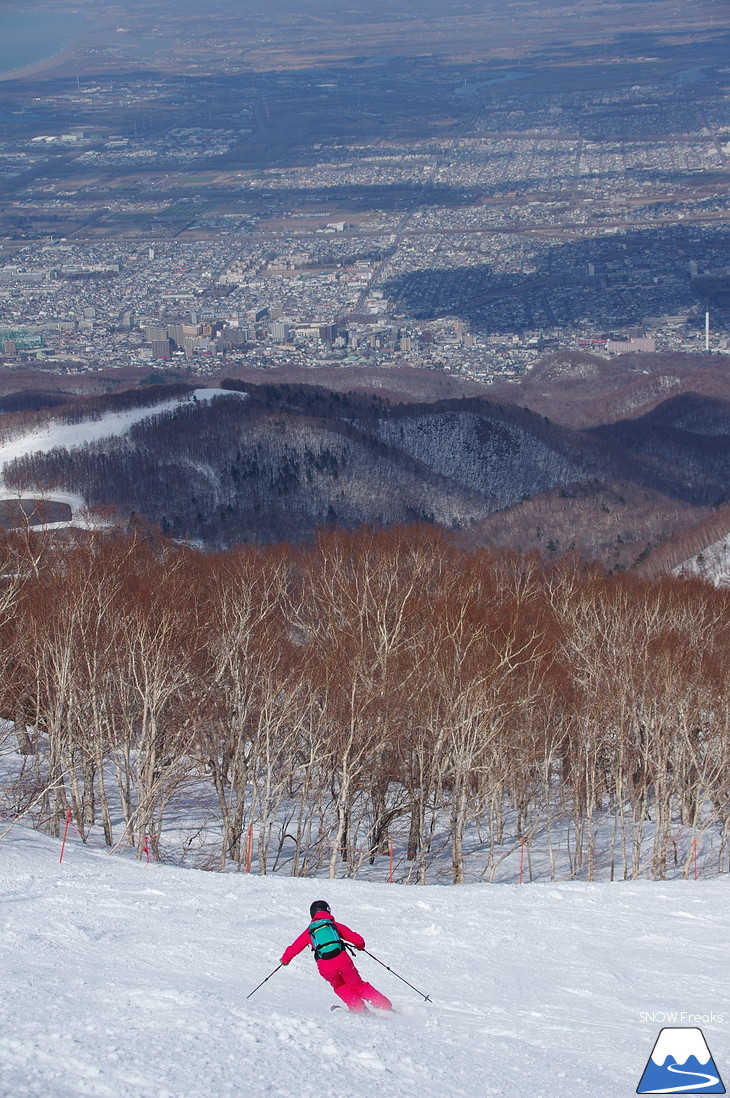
(680, 1063)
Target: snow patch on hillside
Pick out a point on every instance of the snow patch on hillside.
(713, 564)
(56, 433)
(126, 979)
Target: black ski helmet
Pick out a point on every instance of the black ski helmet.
(319, 905)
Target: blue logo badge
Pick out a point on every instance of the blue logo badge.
(680, 1063)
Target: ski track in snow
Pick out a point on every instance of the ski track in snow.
(121, 980)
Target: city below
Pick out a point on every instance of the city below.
(463, 217)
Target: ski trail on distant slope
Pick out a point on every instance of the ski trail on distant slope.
(56, 433)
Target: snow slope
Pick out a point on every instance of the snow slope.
(121, 980)
(713, 563)
(56, 433)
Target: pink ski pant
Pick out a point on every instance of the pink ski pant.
(349, 985)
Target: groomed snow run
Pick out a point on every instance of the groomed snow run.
(123, 980)
(56, 433)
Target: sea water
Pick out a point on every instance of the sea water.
(26, 38)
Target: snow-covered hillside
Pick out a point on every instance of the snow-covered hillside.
(121, 979)
(57, 433)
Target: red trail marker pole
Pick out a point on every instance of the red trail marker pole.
(146, 848)
(65, 833)
(249, 848)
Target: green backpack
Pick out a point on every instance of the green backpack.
(326, 940)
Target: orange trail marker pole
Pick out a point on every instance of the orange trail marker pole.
(65, 833)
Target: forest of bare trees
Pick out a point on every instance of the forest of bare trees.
(317, 709)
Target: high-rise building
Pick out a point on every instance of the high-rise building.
(180, 332)
(191, 344)
(154, 334)
(236, 337)
(160, 348)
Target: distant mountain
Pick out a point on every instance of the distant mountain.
(291, 458)
(583, 390)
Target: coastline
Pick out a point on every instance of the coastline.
(63, 56)
(77, 58)
(67, 50)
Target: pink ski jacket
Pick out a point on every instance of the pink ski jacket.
(304, 940)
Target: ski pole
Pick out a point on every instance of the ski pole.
(427, 998)
(264, 981)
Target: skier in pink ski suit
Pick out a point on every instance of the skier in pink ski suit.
(339, 971)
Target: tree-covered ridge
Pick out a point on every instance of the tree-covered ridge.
(291, 458)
